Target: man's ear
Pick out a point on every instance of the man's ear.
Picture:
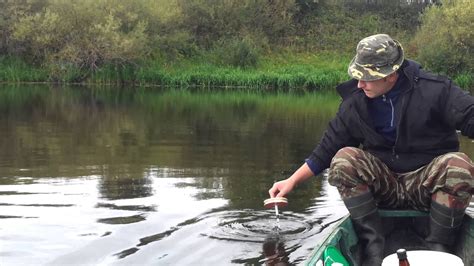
(392, 78)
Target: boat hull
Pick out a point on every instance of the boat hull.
(404, 229)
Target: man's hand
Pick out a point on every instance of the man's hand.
(281, 188)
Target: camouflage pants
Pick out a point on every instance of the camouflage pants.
(448, 180)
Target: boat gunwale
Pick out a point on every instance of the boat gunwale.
(340, 229)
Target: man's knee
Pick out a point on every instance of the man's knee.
(343, 172)
(459, 160)
(457, 186)
(345, 159)
(459, 173)
(348, 153)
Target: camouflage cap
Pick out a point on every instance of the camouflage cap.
(377, 57)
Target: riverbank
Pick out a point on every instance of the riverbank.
(286, 71)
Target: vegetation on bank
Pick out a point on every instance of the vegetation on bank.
(271, 45)
(282, 72)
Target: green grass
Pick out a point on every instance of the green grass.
(277, 72)
(465, 80)
(16, 70)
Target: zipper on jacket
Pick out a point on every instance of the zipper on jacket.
(394, 153)
(393, 113)
(384, 98)
(402, 111)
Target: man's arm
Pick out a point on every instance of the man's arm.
(283, 187)
(460, 110)
(335, 137)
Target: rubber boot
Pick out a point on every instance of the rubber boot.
(444, 225)
(368, 226)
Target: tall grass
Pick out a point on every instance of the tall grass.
(284, 72)
(16, 70)
(288, 72)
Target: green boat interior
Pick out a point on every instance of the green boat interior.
(403, 229)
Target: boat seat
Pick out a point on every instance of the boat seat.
(402, 213)
(405, 228)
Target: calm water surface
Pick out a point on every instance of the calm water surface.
(143, 177)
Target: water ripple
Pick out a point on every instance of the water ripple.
(249, 226)
(254, 226)
(122, 219)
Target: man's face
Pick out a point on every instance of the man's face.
(378, 87)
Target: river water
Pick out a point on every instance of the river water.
(148, 177)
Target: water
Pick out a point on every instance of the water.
(145, 177)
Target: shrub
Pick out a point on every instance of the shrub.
(212, 20)
(175, 45)
(445, 41)
(83, 35)
(242, 53)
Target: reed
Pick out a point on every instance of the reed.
(15, 70)
(277, 72)
(285, 72)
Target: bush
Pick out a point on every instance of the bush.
(84, 35)
(445, 41)
(212, 20)
(175, 45)
(236, 52)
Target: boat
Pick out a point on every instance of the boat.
(404, 229)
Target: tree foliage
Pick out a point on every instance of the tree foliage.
(84, 34)
(445, 41)
(74, 39)
(10, 13)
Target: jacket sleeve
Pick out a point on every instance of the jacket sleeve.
(336, 136)
(460, 110)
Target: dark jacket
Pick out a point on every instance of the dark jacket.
(430, 108)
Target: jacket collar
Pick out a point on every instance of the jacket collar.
(411, 69)
(347, 88)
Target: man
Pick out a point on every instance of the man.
(393, 144)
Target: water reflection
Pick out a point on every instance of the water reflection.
(274, 251)
(117, 184)
(139, 177)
